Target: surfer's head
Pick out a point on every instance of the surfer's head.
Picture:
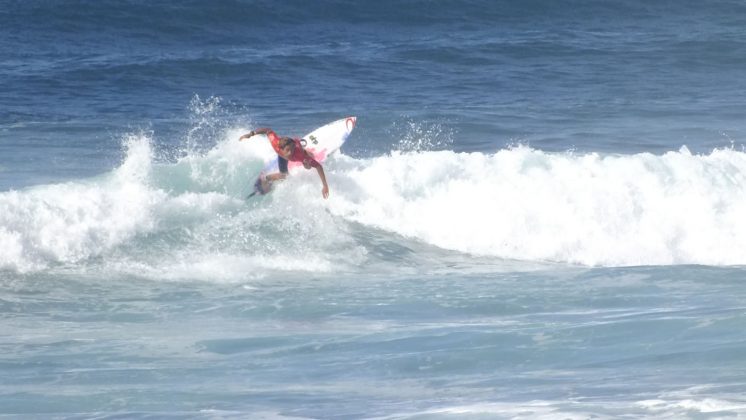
(287, 146)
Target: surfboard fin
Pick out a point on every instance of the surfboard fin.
(259, 188)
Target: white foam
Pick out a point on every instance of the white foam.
(66, 223)
(516, 204)
(703, 405)
(591, 209)
(519, 410)
(220, 267)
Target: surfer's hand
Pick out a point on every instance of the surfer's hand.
(247, 135)
(325, 191)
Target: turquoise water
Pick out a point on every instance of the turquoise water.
(549, 342)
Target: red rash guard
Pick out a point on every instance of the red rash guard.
(299, 155)
(274, 140)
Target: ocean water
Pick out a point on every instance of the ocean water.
(541, 213)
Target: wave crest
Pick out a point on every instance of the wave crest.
(590, 209)
(190, 215)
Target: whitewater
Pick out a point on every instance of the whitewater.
(523, 204)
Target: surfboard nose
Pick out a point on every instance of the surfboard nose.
(350, 123)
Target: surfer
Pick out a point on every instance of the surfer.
(287, 149)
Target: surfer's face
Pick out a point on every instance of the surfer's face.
(287, 148)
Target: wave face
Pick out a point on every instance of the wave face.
(189, 216)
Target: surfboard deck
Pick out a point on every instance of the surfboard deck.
(320, 143)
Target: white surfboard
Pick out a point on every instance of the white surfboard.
(320, 143)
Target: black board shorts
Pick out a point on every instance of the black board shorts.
(283, 164)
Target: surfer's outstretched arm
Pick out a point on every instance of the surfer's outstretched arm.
(255, 132)
(320, 170)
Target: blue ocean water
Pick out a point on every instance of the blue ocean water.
(540, 213)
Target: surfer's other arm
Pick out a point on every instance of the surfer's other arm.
(255, 132)
(312, 163)
(308, 163)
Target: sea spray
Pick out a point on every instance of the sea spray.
(70, 222)
(178, 218)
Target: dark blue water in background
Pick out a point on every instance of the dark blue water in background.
(613, 76)
(538, 215)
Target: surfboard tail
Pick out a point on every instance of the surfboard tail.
(261, 186)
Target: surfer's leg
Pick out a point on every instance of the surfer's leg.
(283, 164)
(275, 177)
(264, 183)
